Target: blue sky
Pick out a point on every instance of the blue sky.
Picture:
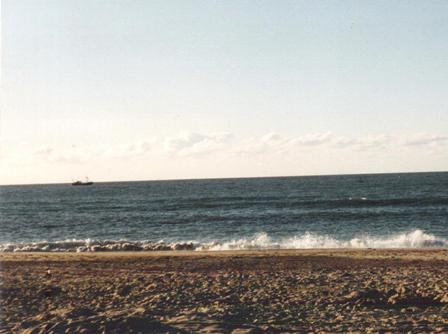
(125, 90)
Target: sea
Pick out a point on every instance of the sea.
(344, 211)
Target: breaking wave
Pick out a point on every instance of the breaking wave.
(414, 239)
(90, 245)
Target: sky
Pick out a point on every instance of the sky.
(142, 90)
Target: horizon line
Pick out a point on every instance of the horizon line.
(228, 178)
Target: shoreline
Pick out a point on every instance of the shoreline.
(382, 253)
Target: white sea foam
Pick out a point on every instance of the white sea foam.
(90, 245)
(413, 239)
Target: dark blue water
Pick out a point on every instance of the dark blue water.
(388, 210)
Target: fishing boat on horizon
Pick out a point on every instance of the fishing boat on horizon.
(87, 182)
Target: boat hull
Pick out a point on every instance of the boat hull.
(82, 183)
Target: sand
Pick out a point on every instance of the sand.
(287, 291)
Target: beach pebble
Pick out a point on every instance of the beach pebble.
(224, 295)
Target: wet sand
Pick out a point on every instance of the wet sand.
(278, 291)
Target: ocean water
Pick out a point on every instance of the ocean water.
(377, 211)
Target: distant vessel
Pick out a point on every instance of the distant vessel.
(87, 182)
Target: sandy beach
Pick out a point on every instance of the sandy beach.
(276, 291)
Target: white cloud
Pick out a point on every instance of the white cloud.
(273, 142)
(314, 139)
(276, 143)
(190, 144)
(344, 142)
(272, 152)
(73, 155)
(195, 144)
(374, 142)
(422, 139)
(271, 137)
(126, 151)
(43, 151)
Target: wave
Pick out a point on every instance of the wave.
(299, 202)
(413, 239)
(90, 245)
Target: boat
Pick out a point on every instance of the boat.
(87, 182)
